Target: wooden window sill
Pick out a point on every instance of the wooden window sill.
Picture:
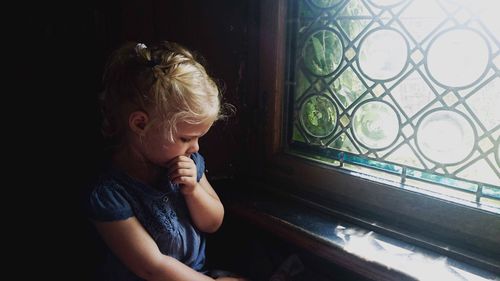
(368, 253)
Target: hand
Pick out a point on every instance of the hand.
(182, 170)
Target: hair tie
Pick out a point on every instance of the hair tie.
(138, 48)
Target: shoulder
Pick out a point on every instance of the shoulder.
(198, 159)
(200, 164)
(108, 201)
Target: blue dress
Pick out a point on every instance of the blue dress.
(162, 211)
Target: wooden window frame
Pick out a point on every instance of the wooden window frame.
(455, 229)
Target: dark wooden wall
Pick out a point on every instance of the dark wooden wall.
(76, 39)
(218, 30)
(68, 44)
(224, 32)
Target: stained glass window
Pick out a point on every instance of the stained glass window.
(401, 91)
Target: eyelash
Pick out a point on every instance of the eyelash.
(185, 140)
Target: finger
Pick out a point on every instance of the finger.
(183, 180)
(180, 162)
(180, 166)
(181, 158)
(185, 167)
(182, 172)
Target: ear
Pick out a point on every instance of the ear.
(137, 122)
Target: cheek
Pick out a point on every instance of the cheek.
(159, 149)
(171, 150)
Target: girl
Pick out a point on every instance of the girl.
(153, 203)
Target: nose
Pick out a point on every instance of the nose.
(194, 146)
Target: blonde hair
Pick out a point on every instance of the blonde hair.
(164, 80)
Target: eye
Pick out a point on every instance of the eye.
(185, 139)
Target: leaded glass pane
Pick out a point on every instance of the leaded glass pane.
(405, 91)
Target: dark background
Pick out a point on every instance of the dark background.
(76, 40)
(59, 50)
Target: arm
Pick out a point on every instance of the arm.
(204, 205)
(130, 242)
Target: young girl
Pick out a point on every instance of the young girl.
(153, 203)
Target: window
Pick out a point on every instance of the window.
(401, 90)
(388, 109)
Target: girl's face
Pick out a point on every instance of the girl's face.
(159, 149)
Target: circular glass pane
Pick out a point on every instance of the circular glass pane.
(383, 54)
(325, 3)
(318, 116)
(375, 124)
(322, 52)
(457, 58)
(445, 136)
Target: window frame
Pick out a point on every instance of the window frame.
(455, 229)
